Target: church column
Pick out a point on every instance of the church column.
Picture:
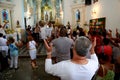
(11, 17)
(19, 13)
(53, 12)
(39, 10)
(61, 11)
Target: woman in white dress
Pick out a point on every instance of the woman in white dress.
(31, 45)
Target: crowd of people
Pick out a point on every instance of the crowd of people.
(72, 54)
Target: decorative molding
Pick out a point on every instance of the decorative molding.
(77, 6)
(7, 5)
(39, 1)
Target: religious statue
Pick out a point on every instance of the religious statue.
(46, 17)
(18, 30)
(5, 15)
(78, 16)
(18, 25)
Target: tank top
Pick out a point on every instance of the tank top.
(32, 45)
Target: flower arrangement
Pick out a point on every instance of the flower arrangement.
(9, 31)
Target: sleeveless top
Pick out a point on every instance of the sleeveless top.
(13, 49)
(109, 76)
(32, 45)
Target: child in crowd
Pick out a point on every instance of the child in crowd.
(31, 45)
(13, 46)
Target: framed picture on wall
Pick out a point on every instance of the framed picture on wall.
(97, 25)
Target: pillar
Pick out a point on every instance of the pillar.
(54, 10)
(39, 10)
(18, 13)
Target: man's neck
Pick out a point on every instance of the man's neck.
(80, 60)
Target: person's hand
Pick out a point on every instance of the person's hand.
(94, 42)
(93, 46)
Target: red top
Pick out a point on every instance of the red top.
(98, 40)
(107, 50)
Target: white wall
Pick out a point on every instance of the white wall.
(70, 7)
(30, 21)
(67, 11)
(108, 9)
(18, 13)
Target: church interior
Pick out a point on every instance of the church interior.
(29, 12)
(27, 20)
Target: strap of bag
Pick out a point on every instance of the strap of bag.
(102, 49)
(103, 69)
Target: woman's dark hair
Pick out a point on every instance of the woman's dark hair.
(1, 35)
(104, 33)
(77, 27)
(106, 41)
(11, 39)
(63, 31)
(0, 26)
(74, 33)
(68, 27)
(30, 38)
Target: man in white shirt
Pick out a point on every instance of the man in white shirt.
(48, 31)
(79, 67)
(3, 53)
(3, 44)
(43, 31)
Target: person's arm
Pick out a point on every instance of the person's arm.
(94, 58)
(54, 69)
(93, 55)
(4, 25)
(93, 46)
(27, 45)
(36, 45)
(19, 44)
(48, 48)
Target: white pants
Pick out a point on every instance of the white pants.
(4, 48)
(33, 54)
(14, 62)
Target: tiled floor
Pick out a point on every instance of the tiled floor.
(25, 72)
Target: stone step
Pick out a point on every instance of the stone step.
(38, 56)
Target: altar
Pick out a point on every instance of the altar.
(43, 10)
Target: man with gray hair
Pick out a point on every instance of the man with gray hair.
(79, 67)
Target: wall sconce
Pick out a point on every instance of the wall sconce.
(93, 12)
